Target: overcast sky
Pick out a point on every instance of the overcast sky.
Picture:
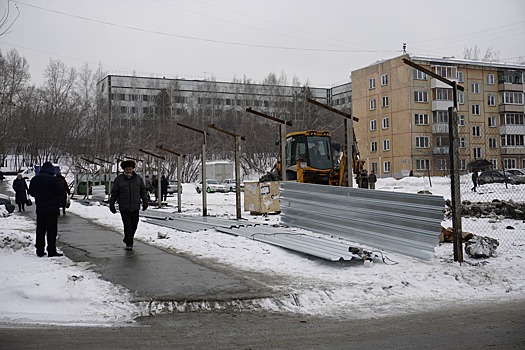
(316, 41)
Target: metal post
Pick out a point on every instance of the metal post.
(457, 229)
(282, 129)
(159, 194)
(203, 173)
(179, 197)
(349, 128)
(237, 177)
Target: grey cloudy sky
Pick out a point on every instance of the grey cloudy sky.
(316, 41)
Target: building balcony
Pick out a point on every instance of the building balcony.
(508, 108)
(441, 105)
(440, 128)
(434, 83)
(513, 150)
(512, 130)
(510, 87)
(441, 150)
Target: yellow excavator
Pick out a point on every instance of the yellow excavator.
(312, 158)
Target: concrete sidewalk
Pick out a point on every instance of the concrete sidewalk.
(150, 272)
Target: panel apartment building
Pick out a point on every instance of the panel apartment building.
(403, 115)
(131, 98)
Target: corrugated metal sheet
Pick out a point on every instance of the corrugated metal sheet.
(187, 223)
(405, 223)
(315, 246)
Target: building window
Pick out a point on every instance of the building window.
(385, 124)
(514, 119)
(440, 117)
(145, 110)
(421, 119)
(461, 120)
(494, 163)
(386, 145)
(123, 109)
(476, 131)
(462, 142)
(461, 77)
(443, 94)
(145, 98)
(491, 100)
(122, 97)
(442, 164)
(509, 163)
(419, 75)
(513, 98)
(384, 101)
(442, 141)
(373, 146)
(372, 83)
(386, 167)
(475, 88)
(476, 109)
(372, 104)
(422, 142)
(420, 96)
(373, 125)
(384, 80)
(490, 79)
(493, 143)
(512, 140)
(477, 153)
(492, 122)
(422, 164)
(446, 71)
(461, 98)
(462, 164)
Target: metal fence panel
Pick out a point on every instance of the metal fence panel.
(405, 223)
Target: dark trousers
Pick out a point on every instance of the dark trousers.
(46, 225)
(130, 219)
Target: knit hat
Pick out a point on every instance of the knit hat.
(127, 164)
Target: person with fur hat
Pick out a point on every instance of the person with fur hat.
(129, 191)
(46, 189)
(20, 188)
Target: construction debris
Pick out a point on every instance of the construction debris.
(481, 247)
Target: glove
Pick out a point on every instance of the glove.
(144, 206)
(112, 208)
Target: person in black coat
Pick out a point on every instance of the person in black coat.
(129, 191)
(164, 184)
(46, 189)
(62, 200)
(20, 188)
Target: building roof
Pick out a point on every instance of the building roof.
(462, 61)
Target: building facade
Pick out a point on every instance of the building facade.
(133, 98)
(403, 115)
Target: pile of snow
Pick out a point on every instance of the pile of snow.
(58, 290)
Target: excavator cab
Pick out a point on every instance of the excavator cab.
(309, 156)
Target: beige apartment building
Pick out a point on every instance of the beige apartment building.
(403, 115)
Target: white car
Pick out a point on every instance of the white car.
(212, 185)
(230, 183)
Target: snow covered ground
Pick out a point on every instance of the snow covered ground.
(59, 291)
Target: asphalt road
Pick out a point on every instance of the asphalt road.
(496, 326)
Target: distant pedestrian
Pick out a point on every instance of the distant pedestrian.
(372, 179)
(474, 180)
(128, 191)
(364, 179)
(46, 189)
(62, 200)
(20, 188)
(149, 185)
(358, 179)
(164, 184)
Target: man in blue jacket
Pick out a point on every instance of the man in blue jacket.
(46, 189)
(128, 190)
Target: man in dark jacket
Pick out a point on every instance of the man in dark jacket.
(128, 190)
(164, 184)
(372, 179)
(46, 189)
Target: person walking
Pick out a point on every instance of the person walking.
(62, 200)
(474, 180)
(46, 189)
(20, 188)
(128, 191)
(164, 184)
(372, 179)
(364, 179)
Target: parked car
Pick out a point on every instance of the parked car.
(5, 201)
(496, 176)
(172, 186)
(519, 173)
(230, 183)
(212, 185)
